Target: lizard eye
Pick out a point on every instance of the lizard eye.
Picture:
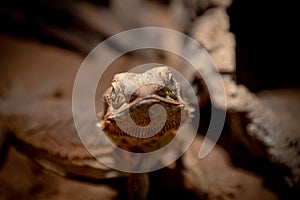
(117, 98)
(173, 89)
(171, 94)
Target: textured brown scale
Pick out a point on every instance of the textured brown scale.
(139, 92)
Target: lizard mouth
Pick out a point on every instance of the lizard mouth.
(150, 99)
(155, 98)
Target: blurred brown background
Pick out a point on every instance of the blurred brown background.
(43, 42)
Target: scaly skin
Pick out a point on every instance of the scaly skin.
(131, 96)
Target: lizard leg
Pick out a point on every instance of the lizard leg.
(138, 186)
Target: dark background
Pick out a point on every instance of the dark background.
(267, 48)
(266, 36)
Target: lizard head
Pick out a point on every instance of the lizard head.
(131, 117)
